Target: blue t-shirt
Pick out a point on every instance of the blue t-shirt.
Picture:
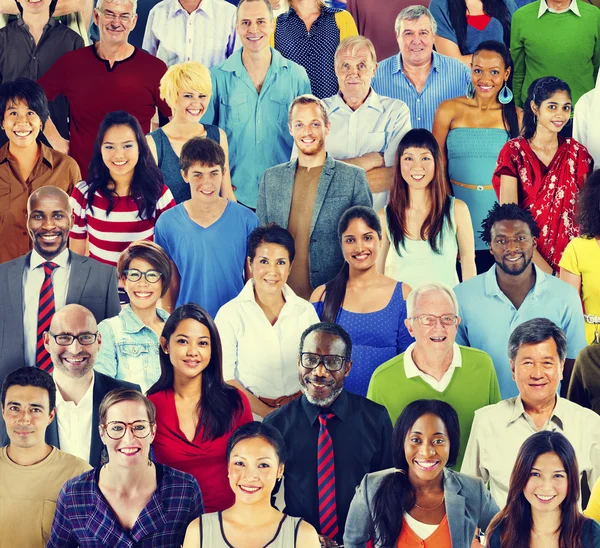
(210, 260)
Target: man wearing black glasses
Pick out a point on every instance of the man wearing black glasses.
(333, 437)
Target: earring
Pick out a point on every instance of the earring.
(470, 91)
(506, 95)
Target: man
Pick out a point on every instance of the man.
(434, 366)
(107, 76)
(537, 350)
(330, 434)
(513, 291)
(31, 472)
(584, 388)
(308, 195)
(365, 128)
(252, 91)
(419, 76)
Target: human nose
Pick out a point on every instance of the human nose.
(75, 346)
(192, 349)
(426, 449)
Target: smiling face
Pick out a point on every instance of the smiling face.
(308, 128)
(205, 182)
(548, 484)
(189, 348)
(512, 246)
(115, 22)
(488, 73)
(355, 70)
(254, 26)
(142, 294)
(427, 448)
(360, 244)
(190, 107)
(415, 40)
(21, 124)
(49, 222)
(554, 112)
(417, 167)
(270, 268)
(120, 151)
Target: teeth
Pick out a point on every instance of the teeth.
(132, 451)
(22, 133)
(249, 489)
(120, 163)
(75, 360)
(417, 177)
(427, 465)
(143, 295)
(545, 499)
(194, 112)
(50, 236)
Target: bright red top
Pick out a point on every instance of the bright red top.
(479, 22)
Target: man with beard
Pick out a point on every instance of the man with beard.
(333, 437)
(307, 196)
(513, 291)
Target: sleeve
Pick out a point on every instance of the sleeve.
(160, 235)
(385, 459)
(74, 176)
(228, 342)
(211, 116)
(113, 304)
(488, 506)
(165, 202)
(577, 392)
(517, 51)
(197, 504)
(78, 42)
(161, 104)
(246, 415)
(441, 15)
(573, 323)
(593, 507)
(362, 193)
(150, 42)
(399, 129)
(61, 535)
(506, 165)
(359, 521)
(472, 464)
(79, 202)
(303, 82)
(569, 260)
(580, 119)
(54, 80)
(107, 361)
(253, 222)
(495, 396)
(261, 201)
(346, 25)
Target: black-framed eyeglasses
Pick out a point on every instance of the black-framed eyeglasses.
(429, 320)
(115, 430)
(135, 275)
(64, 339)
(332, 362)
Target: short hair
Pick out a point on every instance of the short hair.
(506, 212)
(261, 430)
(266, 2)
(354, 43)
(151, 253)
(188, 76)
(199, 150)
(119, 395)
(133, 3)
(332, 329)
(29, 92)
(412, 13)
(537, 331)
(308, 99)
(30, 376)
(271, 234)
(411, 301)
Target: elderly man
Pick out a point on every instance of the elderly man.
(419, 76)
(365, 127)
(537, 351)
(434, 366)
(326, 425)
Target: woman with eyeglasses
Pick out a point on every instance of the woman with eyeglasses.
(131, 500)
(130, 341)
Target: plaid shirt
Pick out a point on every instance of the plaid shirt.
(83, 517)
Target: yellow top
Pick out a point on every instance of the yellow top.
(593, 507)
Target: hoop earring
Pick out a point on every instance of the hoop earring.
(470, 90)
(506, 95)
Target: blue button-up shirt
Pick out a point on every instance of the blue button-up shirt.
(488, 317)
(447, 79)
(256, 124)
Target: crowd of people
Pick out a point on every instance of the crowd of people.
(300, 273)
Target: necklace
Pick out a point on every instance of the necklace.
(434, 507)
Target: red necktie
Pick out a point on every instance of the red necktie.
(45, 313)
(326, 480)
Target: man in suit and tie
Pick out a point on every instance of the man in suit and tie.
(308, 196)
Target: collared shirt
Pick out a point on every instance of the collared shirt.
(447, 79)
(411, 370)
(488, 317)
(544, 7)
(499, 430)
(268, 369)
(361, 435)
(256, 124)
(33, 278)
(206, 35)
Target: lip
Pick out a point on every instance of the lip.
(361, 257)
(49, 237)
(23, 433)
(207, 193)
(319, 387)
(76, 362)
(22, 133)
(426, 465)
(249, 490)
(557, 123)
(192, 363)
(546, 500)
(417, 178)
(143, 294)
(439, 339)
(129, 451)
(194, 111)
(270, 282)
(538, 386)
(485, 89)
(514, 259)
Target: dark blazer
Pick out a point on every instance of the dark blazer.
(341, 186)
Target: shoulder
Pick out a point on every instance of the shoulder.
(159, 399)
(498, 413)
(475, 285)
(470, 485)
(84, 483)
(460, 207)
(106, 383)
(72, 465)
(142, 57)
(342, 169)
(307, 534)
(284, 416)
(374, 479)
(475, 357)
(102, 269)
(449, 63)
(242, 211)
(588, 10)
(318, 294)
(591, 532)
(388, 368)
(582, 415)
(373, 411)
(557, 289)
(343, 17)
(276, 171)
(530, 10)
(589, 355)
(173, 477)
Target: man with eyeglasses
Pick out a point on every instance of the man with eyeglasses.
(434, 367)
(333, 437)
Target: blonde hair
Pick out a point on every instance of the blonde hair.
(354, 43)
(188, 76)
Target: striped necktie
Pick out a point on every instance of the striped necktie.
(45, 312)
(326, 480)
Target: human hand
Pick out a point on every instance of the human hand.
(327, 542)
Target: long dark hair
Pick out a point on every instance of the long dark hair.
(335, 290)
(514, 520)
(147, 183)
(540, 90)
(396, 495)
(438, 191)
(588, 206)
(220, 404)
(509, 111)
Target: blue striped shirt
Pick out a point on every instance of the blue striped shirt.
(448, 78)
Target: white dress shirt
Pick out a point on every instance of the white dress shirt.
(261, 356)
(411, 370)
(544, 8)
(33, 278)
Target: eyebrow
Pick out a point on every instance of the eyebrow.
(363, 234)
(187, 336)
(124, 142)
(36, 405)
(278, 258)
(435, 433)
(554, 471)
(557, 103)
(42, 211)
(244, 458)
(492, 67)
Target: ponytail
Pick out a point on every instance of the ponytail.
(335, 292)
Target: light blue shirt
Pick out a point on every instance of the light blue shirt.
(488, 317)
(447, 79)
(256, 124)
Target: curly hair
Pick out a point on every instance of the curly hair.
(506, 212)
(588, 207)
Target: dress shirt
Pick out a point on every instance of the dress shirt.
(411, 370)
(544, 8)
(206, 35)
(33, 278)
(261, 356)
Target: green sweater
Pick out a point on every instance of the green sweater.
(473, 385)
(557, 44)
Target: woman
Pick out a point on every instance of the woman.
(472, 130)
(462, 26)
(255, 458)
(308, 34)
(584, 130)
(593, 507)
(425, 227)
(186, 87)
(580, 263)
(130, 501)
(267, 311)
(370, 306)
(420, 502)
(543, 172)
(130, 341)
(197, 411)
(542, 508)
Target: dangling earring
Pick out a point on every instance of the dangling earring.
(506, 95)
(470, 91)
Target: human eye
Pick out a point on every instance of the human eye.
(181, 340)
(58, 215)
(439, 441)
(415, 440)
(203, 343)
(534, 474)
(368, 238)
(298, 125)
(140, 427)
(107, 147)
(495, 72)
(264, 261)
(407, 158)
(477, 71)
(349, 240)
(116, 427)
(14, 408)
(345, 66)
(567, 108)
(238, 463)
(281, 263)
(264, 465)
(36, 216)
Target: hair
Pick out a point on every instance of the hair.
(354, 43)
(308, 99)
(335, 290)
(271, 234)
(514, 520)
(396, 494)
(539, 91)
(506, 212)
(411, 301)
(188, 76)
(331, 329)
(151, 253)
(199, 150)
(433, 226)
(537, 331)
(30, 376)
(265, 2)
(261, 430)
(119, 395)
(133, 3)
(509, 111)
(412, 13)
(28, 91)
(588, 206)
(220, 404)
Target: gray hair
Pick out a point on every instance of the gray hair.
(537, 331)
(100, 4)
(266, 2)
(412, 13)
(411, 302)
(308, 99)
(353, 43)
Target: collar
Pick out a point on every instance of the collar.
(46, 154)
(132, 324)
(87, 397)
(62, 259)
(411, 369)
(324, 10)
(234, 62)
(436, 60)
(519, 411)
(174, 7)
(339, 408)
(492, 287)
(21, 23)
(247, 294)
(544, 8)
(372, 101)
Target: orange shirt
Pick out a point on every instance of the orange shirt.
(440, 538)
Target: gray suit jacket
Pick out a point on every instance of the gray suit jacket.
(468, 505)
(341, 186)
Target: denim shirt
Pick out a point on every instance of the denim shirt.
(129, 349)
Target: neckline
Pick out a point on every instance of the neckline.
(220, 514)
(397, 288)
